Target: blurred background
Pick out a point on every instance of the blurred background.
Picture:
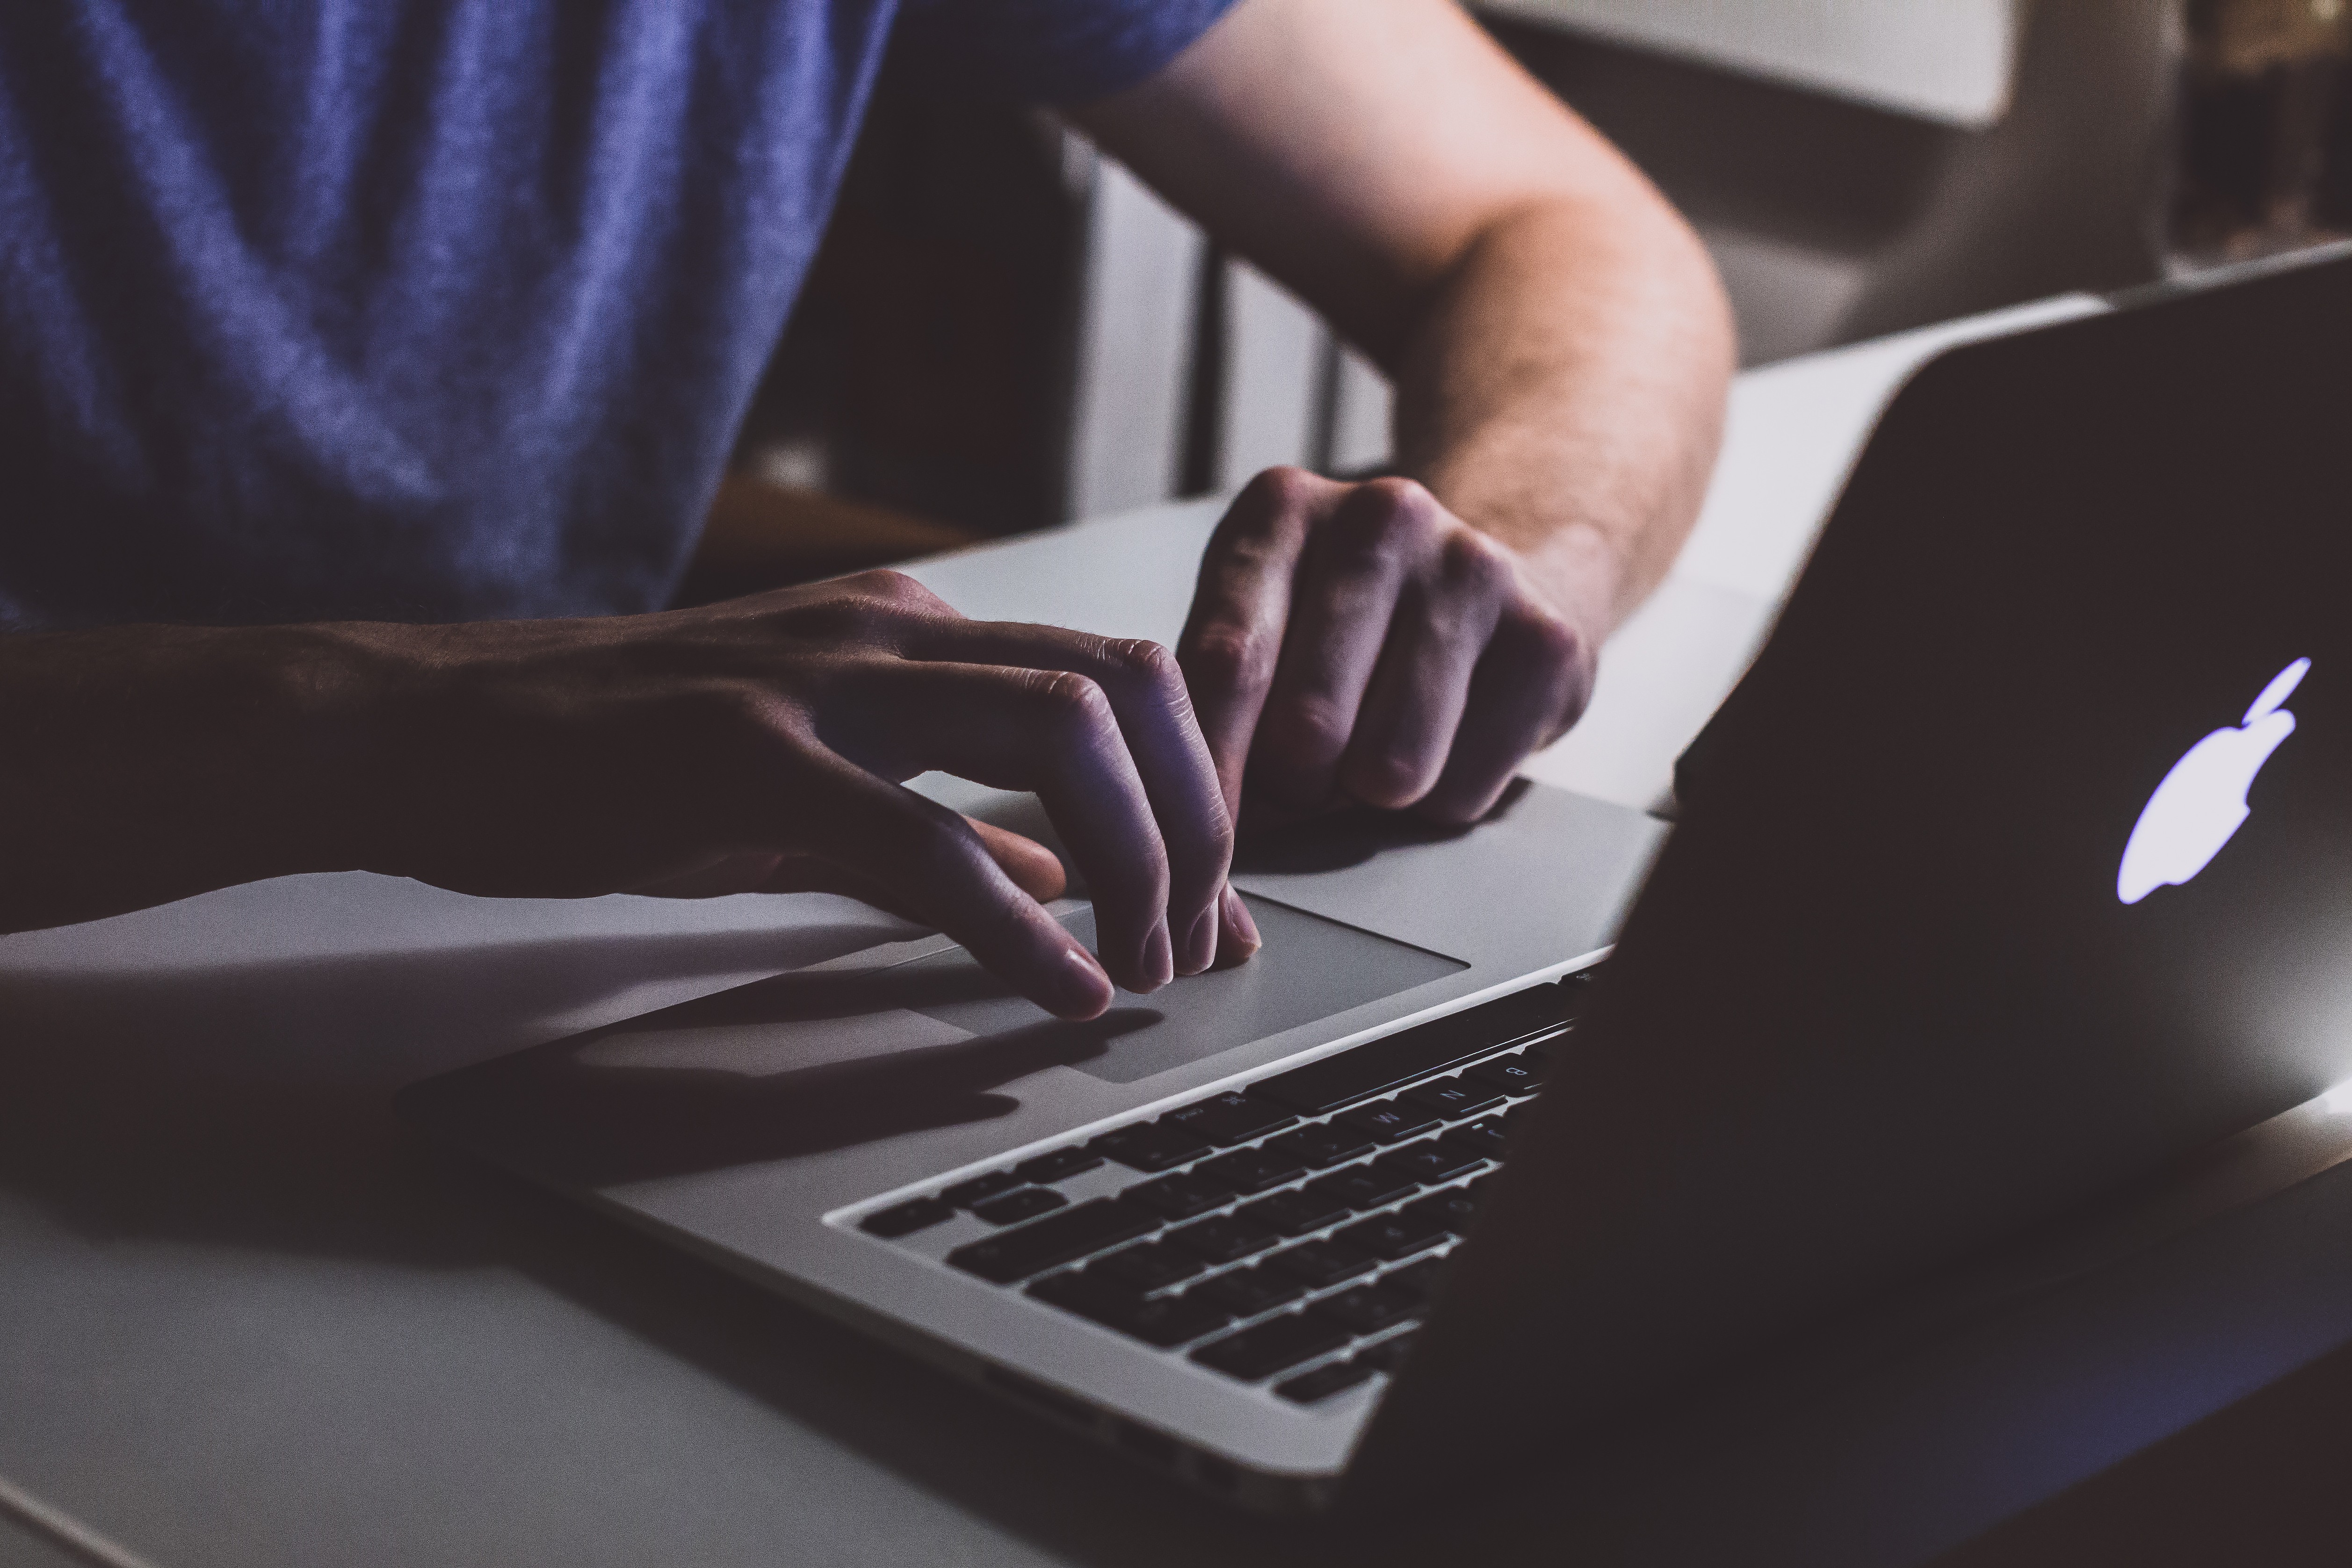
(1005, 330)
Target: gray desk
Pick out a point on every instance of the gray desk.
(246, 1319)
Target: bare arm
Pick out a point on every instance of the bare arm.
(758, 744)
(1560, 348)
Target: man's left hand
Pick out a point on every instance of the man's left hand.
(1359, 642)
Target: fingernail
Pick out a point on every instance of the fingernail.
(1159, 957)
(1201, 942)
(1238, 926)
(1089, 988)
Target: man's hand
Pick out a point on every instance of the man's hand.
(1560, 348)
(759, 744)
(1359, 642)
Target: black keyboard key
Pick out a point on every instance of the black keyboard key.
(1082, 1291)
(1389, 1354)
(1246, 1293)
(1169, 1320)
(1454, 1097)
(1180, 1196)
(1368, 1308)
(1166, 1322)
(1454, 1208)
(1418, 1280)
(1429, 1162)
(1228, 1119)
(1147, 1148)
(1148, 1268)
(1266, 1348)
(905, 1218)
(1224, 1240)
(1322, 1263)
(1483, 1138)
(1516, 1074)
(1251, 1170)
(1296, 1213)
(1021, 1203)
(1379, 1065)
(1058, 1166)
(964, 1193)
(1395, 1235)
(1320, 1146)
(1362, 1188)
(1330, 1378)
(1057, 1240)
(1388, 1120)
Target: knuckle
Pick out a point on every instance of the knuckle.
(1316, 728)
(1266, 511)
(1386, 515)
(1470, 562)
(1404, 497)
(1217, 834)
(1281, 488)
(1069, 699)
(733, 709)
(1553, 644)
(896, 594)
(1226, 658)
(856, 608)
(881, 582)
(1142, 661)
(1153, 670)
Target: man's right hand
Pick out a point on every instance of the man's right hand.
(756, 744)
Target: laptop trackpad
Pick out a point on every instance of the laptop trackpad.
(1309, 969)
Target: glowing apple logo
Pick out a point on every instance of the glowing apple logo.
(2204, 798)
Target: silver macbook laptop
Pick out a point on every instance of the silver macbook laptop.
(2014, 870)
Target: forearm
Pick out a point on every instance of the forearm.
(1563, 390)
(144, 764)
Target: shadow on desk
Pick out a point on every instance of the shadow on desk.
(251, 1104)
(251, 1109)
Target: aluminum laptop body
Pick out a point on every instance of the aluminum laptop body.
(1914, 971)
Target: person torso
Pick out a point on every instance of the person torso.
(417, 309)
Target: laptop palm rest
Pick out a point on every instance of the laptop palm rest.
(831, 1058)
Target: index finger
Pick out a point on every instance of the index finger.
(1155, 719)
(1240, 607)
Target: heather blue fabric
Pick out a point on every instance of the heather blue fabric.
(425, 308)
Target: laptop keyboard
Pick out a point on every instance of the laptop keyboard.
(1287, 1232)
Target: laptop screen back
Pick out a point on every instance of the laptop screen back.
(2019, 865)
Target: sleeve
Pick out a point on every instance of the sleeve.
(1051, 51)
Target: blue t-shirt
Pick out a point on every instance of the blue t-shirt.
(426, 309)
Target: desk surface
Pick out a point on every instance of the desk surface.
(247, 1320)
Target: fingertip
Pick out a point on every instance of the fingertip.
(1201, 942)
(1159, 957)
(1239, 941)
(1084, 991)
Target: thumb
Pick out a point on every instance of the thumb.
(1035, 869)
(1032, 867)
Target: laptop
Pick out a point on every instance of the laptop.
(2012, 872)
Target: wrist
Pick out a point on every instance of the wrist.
(321, 754)
(150, 763)
(1583, 574)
